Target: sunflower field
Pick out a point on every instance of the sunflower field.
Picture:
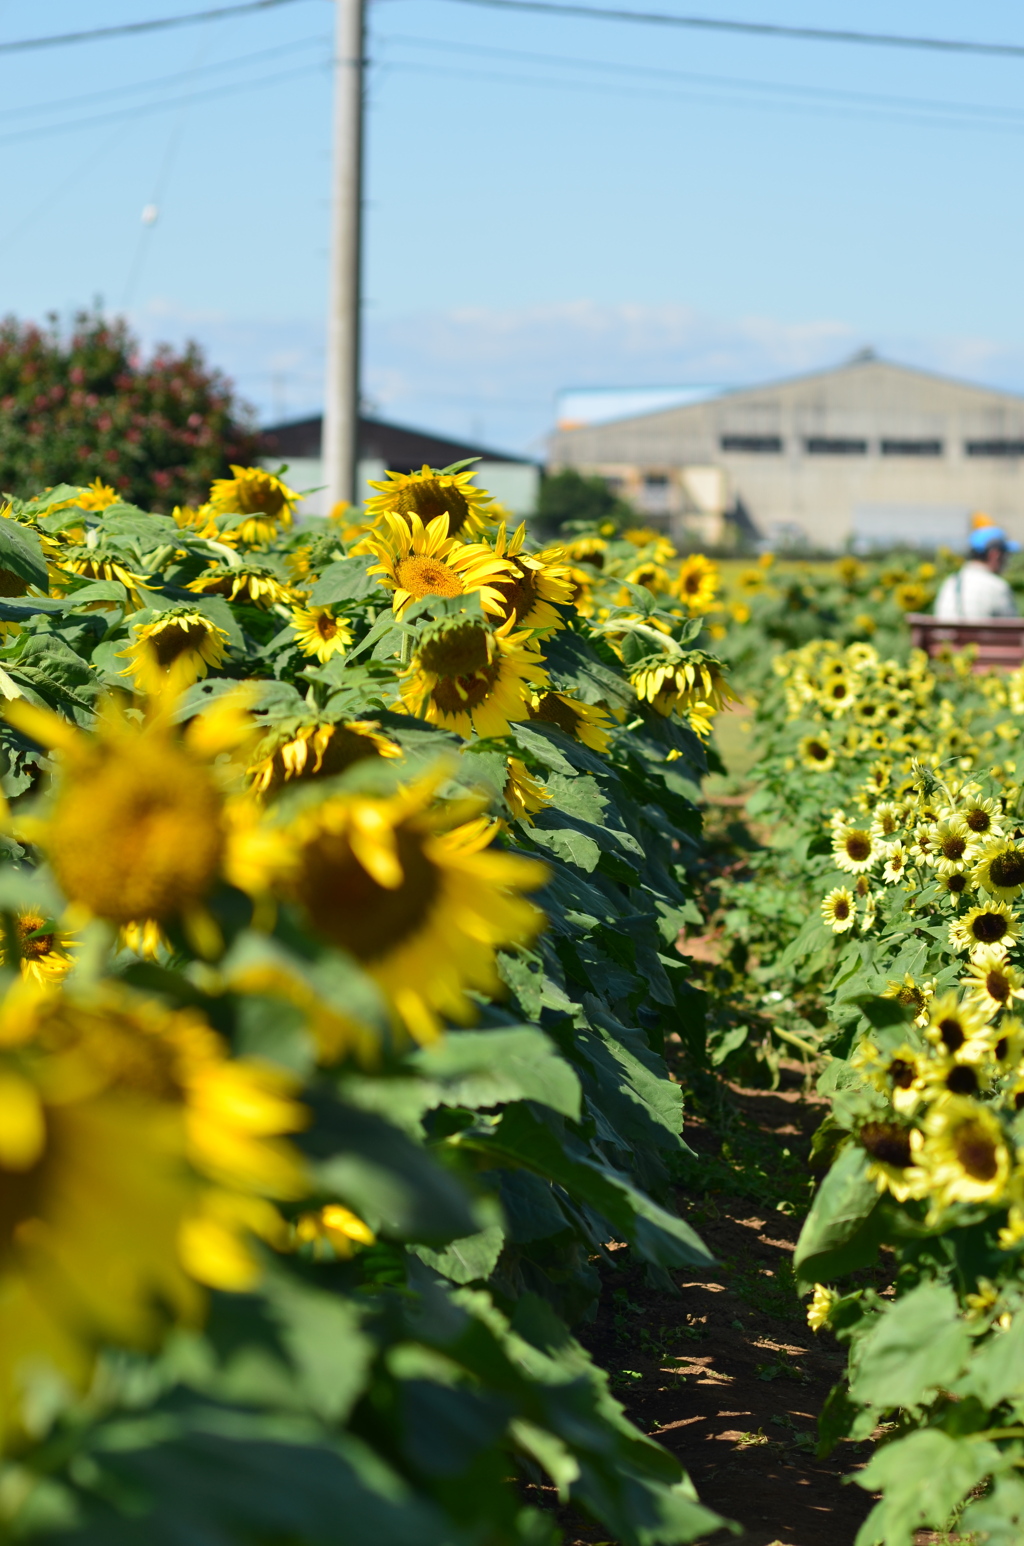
(342, 870)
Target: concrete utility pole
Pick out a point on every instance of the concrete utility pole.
(341, 398)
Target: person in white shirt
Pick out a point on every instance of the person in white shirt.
(979, 590)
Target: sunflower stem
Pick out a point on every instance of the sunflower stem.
(406, 651)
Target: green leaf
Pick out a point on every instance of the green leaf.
(913, 1347)
(345, 580)
(465, 1261)
(923, 1477)
(492, 1068)
(842, 1230)
(568, 844)
(995, 1372)
(22, 554)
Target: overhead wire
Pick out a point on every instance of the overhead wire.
(997, 116)
(134, 28)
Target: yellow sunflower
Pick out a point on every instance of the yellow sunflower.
(468, 677)
(97, 495)
(838, 910)
(173, 650)
(964, 1154)
(332, 1231)
(316, 751)
(319, 633)
(1000, 869)
(43, 947)
(895, 1165)
(263, 498)
(421, 908)
(911, 994)
(585, 722)
(823, 1302)
(427, 494)
(537, 584)
(416, 560)
(838, 694)
(525, 795)
(135, 827)
(242, 582)
(816, 754)
(587, 550)
(696, 583)
(695, 688)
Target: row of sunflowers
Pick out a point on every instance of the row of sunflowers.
(876, 936)
(341, 868)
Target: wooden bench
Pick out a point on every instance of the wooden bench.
(999, 640)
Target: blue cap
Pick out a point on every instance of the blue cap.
(984, 537)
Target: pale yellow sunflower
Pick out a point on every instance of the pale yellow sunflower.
(319, 633)
(1000, 869)
(816, 753)
(992, 925)
(428, 494)
(855, 848)
(421, 908)
(416, 560)
(991, 982)
(696, 583)
(585, 722)
(838, 910)
(173, 650)
(953, 846)
(964, 1154)
(242, 582)
(895, 1165)
(468, 677)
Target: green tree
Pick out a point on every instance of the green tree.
(568, 496)
(82, 405)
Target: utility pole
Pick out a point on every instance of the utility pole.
(341, 398)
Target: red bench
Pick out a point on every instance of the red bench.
(999, 640)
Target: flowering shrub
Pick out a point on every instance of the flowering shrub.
(86, 407)
(342, 868)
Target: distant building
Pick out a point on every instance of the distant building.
(512, 480)
(870, 451)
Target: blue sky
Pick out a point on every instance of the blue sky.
(550, 202)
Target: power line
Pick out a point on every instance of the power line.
(930, 106)
(156, 24)
(762, 29)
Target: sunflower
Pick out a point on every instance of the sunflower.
(896, 860)
(421, 908)
(961, 1074)
(587, 550)
(173, 650)
(953, 1025)
(982, 816)
(469, 677)
(816, 754)
(990, 926)
(416, 560)
(886, 822)
(991, 983)
(838, 694)
(525, 795)
(855, 849)
(1000, 869)
(585, 722)
(319, 633)
(1006, 1041)
(821, 1306)
(316, 751)
(97, 495)
(92, 564)
(250, 583)
(537, 584)
(911, 994)
(895, 1165)
(900, 1077)
(343, 1231)
(964, 1154)
(135, 829)
(427, 494)
(838, 910)
(952, 845)
(652, 576)
(695, 688)
(266, 501)
(850, 570)
(43, 947)
(696, 583)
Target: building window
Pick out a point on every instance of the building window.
(613, 485)
(911, 447)
(753, 443)
(834, 445)
(656, 493)
(994, 447)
